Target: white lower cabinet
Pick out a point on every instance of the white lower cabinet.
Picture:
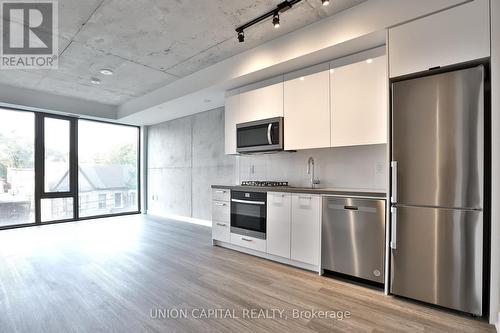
(221, 211)
(221, 231)
(252, 243)
(279, 209)
(293, 227)
(305, 228)
(221, 215)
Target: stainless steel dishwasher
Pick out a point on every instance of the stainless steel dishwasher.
(353, 237)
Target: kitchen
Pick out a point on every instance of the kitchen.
(319, 189)
(254, 166)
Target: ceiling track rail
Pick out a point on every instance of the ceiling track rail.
(274, 13)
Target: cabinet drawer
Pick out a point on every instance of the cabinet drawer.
(221, 194)
(221, 231)
(221, 211)
(249, 242)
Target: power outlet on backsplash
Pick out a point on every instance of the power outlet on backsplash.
(379, 168)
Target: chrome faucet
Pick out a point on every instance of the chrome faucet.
(310, 171)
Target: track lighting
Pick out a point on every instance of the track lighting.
(280, 8)
(276, 20)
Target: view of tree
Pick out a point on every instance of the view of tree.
(119, 155)
(15, 152)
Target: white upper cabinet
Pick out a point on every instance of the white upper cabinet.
(359, 96)
(279, 210)
(449, 37)
(262, 100)
(307, 108)
(258, 101)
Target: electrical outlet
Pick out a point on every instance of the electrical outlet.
(379, 168)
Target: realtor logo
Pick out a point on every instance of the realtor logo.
(29, 35)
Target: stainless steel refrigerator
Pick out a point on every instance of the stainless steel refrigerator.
(437, 189)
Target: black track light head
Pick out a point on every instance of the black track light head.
(276, 20)
(275, 14)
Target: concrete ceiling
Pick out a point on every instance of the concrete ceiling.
(152, 43)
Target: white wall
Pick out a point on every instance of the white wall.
(495, 181)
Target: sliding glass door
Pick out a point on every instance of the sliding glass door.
(17, 168)
(56, 168)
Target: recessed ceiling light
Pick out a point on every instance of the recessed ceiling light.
(325, 2)
(95, 81)
(106, 71)
(369, 61)
(301, 78)
(332, 70)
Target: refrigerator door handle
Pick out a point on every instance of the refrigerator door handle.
(394, 182)
(394, 228)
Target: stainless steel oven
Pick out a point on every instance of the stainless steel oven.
(248, 213)
(260, 135)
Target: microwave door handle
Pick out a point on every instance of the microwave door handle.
(269, 138)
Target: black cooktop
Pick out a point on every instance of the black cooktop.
(263, 183)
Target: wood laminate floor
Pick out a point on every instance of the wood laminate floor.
(122, 274)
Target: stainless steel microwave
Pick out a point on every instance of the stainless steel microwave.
(260, 136)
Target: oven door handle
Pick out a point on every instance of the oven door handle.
(262, 203)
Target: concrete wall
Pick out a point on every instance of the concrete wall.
(186, 156)
(495, 181)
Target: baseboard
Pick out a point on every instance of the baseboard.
(192, 220)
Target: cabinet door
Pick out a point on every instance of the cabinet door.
(452, 36)
(261, 100)
(359, 103)
(307, 108)
(305, 242)
(279, 207)
(231, 113)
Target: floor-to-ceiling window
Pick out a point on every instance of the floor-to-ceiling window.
(17, 168)
(57, 160)
(57, 168)
(108, 168)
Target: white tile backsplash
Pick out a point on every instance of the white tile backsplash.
(350, 167)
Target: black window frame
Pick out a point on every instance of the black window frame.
(39, 169)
